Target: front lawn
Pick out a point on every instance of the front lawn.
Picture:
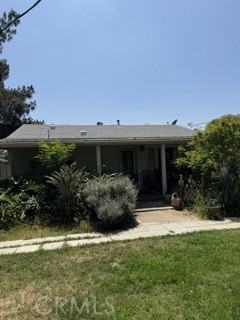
(191, 276)
(38, 230)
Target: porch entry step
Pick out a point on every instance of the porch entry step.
(151, 204)
(153, 209)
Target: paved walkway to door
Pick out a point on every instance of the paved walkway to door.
(159, 222)
(164, 215)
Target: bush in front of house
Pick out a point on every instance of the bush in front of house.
(67, 191)
(55, 154)
(12, 211)
(111, 202)
(68, 196)
(213, 155)
(20, 201)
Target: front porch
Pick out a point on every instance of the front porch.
(150, 201)
(151, 166)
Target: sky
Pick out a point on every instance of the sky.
(139, 61)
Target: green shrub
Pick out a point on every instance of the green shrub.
(17, 208)
(68, 182)
(111, 201)
(20, 201)
(199, 200)
(11, 212)
(6, 184)
(198, 205)
(53, 155)
(213, 155)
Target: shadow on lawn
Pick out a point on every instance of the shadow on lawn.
(116, 228)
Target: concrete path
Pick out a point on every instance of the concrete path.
(151, 224)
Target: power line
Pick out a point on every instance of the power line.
(198, 124)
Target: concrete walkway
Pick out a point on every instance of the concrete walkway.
(151, 224)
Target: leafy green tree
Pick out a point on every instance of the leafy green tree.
(214, 157)
(7, 30)
(9, 22)
(15, 104)
(54, 155)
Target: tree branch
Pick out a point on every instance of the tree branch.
(20, 16)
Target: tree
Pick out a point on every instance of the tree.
(15, 104)
(214, 157)
(55, 154)
(8, 23)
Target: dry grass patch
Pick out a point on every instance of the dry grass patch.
(37, 230)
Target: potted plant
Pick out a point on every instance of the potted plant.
(214, 210)
(176, 202)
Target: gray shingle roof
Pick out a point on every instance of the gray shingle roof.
(37, 132)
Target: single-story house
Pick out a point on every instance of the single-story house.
(145, 152)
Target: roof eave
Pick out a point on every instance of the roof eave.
(7, 143)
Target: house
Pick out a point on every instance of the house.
(145, 152)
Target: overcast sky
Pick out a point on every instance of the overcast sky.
(140, 61)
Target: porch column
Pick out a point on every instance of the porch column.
(99, 164)
(163, 169)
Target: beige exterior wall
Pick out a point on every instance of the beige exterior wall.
(111, 159)
(21, 159)
(110, 156)
(85, 156)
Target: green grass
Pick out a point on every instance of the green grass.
(37, 230)
(192, 276)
